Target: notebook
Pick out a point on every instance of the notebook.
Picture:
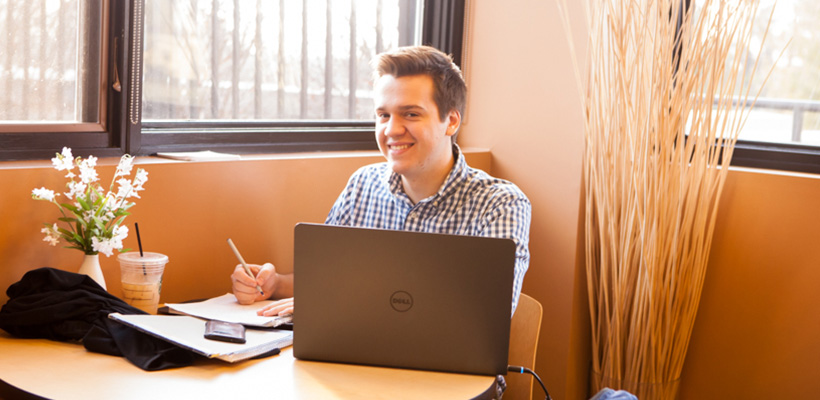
(188, 332)
(402, 299)
(226, 308)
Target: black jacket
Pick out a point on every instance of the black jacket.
(63, 306)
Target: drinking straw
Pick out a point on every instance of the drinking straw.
(139, 243)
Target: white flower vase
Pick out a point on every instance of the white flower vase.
(91, 267)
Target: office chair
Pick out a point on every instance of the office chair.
(524, 330)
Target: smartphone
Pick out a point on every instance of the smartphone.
(225, 331)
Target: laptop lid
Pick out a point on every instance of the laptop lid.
(402, 299)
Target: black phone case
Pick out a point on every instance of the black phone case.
(225, 331)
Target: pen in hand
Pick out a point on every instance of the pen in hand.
(242, 261)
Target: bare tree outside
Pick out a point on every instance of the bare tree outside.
(788, 110)
(309, 60)
(45, 76)
(267, 60)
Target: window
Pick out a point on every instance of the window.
(266, 76)
(45, 81)
(48, 85)
(271, 60)
(783, 129)
(230, 75)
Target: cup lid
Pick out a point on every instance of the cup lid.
(149, 257)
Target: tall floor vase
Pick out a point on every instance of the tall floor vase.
(91, 267)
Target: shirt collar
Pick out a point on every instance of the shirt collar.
(454, 178)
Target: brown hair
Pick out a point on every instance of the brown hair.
(449, 88)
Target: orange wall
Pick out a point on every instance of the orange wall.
(187, 211)
(524, 106)
(757, 333)
(757, 329)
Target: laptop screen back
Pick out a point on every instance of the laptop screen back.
(402, 299)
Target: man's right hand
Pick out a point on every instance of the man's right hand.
(244, 287)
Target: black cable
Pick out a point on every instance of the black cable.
(521, 370)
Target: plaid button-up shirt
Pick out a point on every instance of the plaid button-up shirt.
(469, 202)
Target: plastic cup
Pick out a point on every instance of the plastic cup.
(142, 279)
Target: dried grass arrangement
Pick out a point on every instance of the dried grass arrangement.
(660, 129)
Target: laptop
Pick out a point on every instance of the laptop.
(402, 299)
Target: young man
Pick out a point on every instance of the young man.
(425, 184)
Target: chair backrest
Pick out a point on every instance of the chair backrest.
(524, 330)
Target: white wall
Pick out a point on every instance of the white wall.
(525, 107)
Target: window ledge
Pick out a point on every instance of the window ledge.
(148, 160)
(775, 172)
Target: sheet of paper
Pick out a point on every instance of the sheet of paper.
(226, 308)
(206, 155)
(188, 332)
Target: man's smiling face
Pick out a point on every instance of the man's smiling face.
(409, 132)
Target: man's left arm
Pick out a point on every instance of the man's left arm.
(511, 219)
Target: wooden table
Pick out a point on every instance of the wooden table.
(57, 370)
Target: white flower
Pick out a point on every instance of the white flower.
(94, 195)
(52, 235)
(132, 188)
(43, 194)
(140, 179)
(120, 233)
(125, 165)
(64, 161)
(106, 245)
(108, 216)
(87, 172)
(107, 209)
(75, 189)
(125, 189)
(87, 216)
(93, 212)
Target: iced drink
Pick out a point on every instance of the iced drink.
(142, 279)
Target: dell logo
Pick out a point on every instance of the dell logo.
(401, 301)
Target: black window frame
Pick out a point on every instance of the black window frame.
(771, 155)
(443, 25)
(777, 156)
(443, 28)
(41, 141)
